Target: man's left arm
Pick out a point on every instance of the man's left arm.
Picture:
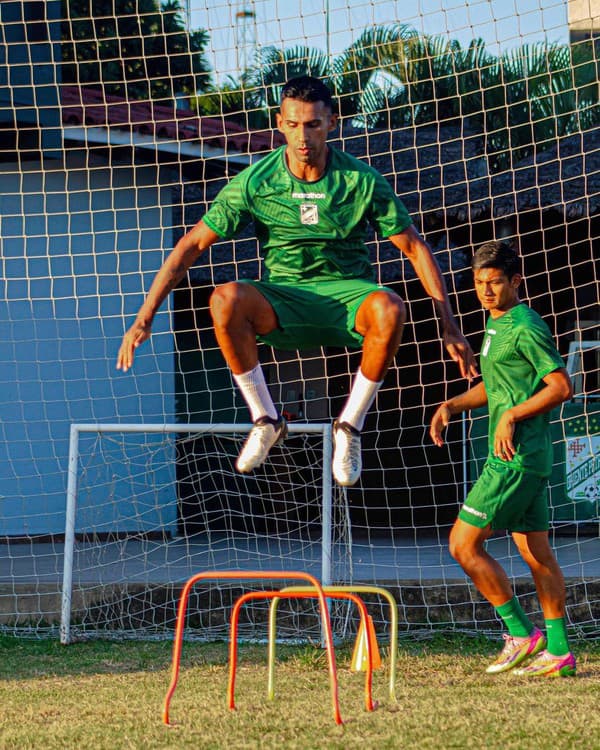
(411, 244)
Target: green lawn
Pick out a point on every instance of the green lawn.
(110, 695)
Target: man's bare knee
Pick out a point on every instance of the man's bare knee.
(237, 304)
(224, 301)
(460, 551)
(388, 309)
(535, 549)
(466, 543)
(382, 313)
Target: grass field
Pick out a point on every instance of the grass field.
(105, 695)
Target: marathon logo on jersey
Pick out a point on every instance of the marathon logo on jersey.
(307, 196)
(309, 213)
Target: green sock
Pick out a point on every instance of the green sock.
(558, 640)
(517, 622)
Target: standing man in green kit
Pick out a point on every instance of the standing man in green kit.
(311, 206)
(524, 378)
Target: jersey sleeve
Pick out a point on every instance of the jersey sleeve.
(387, 213)
(536, 345)
(229, 212)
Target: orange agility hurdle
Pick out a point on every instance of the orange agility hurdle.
(261, 575)
(305, 593)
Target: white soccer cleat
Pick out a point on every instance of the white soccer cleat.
(347, 459)
(265, 433)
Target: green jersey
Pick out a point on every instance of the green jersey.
(310, 230)
(517, 353)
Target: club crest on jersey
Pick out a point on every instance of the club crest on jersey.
(486, 346)
(309, 213)
(488, 341)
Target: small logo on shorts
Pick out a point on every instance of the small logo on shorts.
(309, 213)
(473, 512)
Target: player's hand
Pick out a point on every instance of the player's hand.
(136, 335)
(504, 448)
(439, 422)
(460, 351)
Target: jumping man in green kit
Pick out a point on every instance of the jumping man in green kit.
(524, 378)
(311, 206)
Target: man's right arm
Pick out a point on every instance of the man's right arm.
(472, 399)
(177, 264)
(418, 252)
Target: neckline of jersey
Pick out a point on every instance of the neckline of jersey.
(299, 179)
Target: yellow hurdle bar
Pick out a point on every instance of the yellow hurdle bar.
(331, 591)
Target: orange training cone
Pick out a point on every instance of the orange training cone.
(360, 658)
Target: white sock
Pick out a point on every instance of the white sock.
(362, 395)
(256, 394)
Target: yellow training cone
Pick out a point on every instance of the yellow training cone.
(360, 658)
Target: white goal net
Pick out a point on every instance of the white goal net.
(119, 123)
(131, 543)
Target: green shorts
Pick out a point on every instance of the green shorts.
(507, 499)
(318, 313)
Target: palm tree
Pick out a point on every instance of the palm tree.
(273, 67)
(393, 77)
(364, 81)
(253, 99)
(530, 98)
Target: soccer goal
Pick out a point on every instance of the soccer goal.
(150, 505)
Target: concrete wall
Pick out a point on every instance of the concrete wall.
(78, 245)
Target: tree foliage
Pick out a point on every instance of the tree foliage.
(390, 77)
(394, 77)
(133, 48)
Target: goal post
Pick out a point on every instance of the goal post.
(163, 522)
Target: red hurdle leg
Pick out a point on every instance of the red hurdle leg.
(252, 595)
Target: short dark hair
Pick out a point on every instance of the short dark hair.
(497, 254)
(307, 89)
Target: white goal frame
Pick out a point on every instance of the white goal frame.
(323, 429)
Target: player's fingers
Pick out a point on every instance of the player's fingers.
(125, 355)
(461, 355)
(123, 361)
(472, 371)
(438, 423)
(504, 449)
(135, 336)
(455, 356)
(468, 365)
